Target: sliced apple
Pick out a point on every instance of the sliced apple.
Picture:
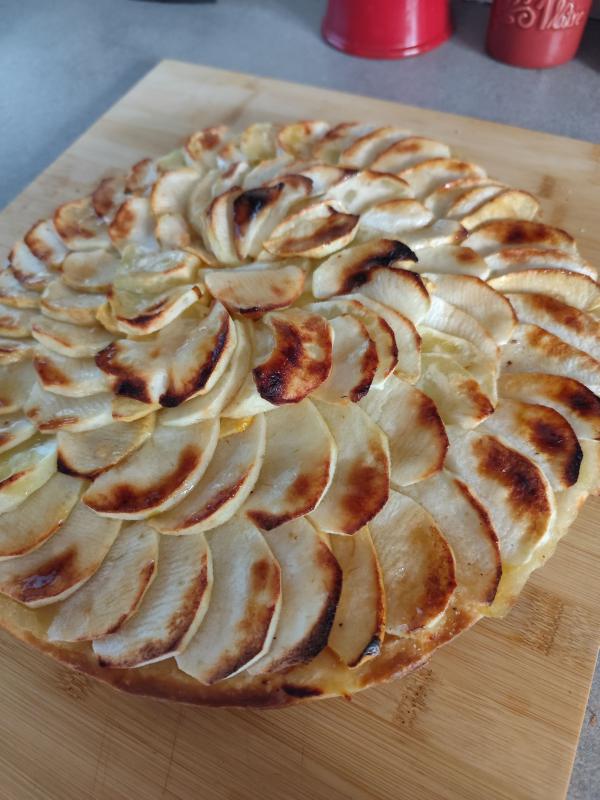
(13, 351)
(224, 487)
(114, 593)
(14, 429)
(527, 258)
(256, 289)
(79, 226)
(16, 323)
(133, 224)
(16, 382)
(87, 454)
(322, 176)
(416, 565)
(508, 204)
(70, 340)
(299, 138)
(171, 192)
(415, 432)
(217, 228)
(63, 304)
(173, 232)
(139, 314)
(51, 412)
(311, 582)
(460, 399)
(315, 232)
(393, 218)
(514, 491)
(244, 609)
(362, 151)
(90, 271)
(14, 293)
(258, 141)
(366, 189)
(408, 152)
(141, 177)
(361, 480)
(482, 368)
(532, 349)
(202, 146)
(266, 171)
(466, 526)
(355, 362)
(427, 175)
(71, 377)
(576, 290)
(45, 243)
(451, 319)
(126, 409)
(450, 259)
(358, 628)
(157, 475)
(154, 272)
(288, 488)
(490, 237)
(24, 469)
(108, 196)
(28, 270)
(441, 233)
(461, 196)
(337, 139)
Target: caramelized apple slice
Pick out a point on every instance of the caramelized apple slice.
(427, 175)
(314, 232)
(450, 259)
(362, 151)
(576, 290)
(354, 362)
(90, 271)
(133, 224)
(79, 226)
(408, 152)
(70, 340)
(14, 293)
(498, 234)
(13, 351)
(70, 377)
(14, 429)
(24, 469)
(141, 314)
(539, 257)
(45, 243)
(30, 271)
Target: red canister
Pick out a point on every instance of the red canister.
(536, 33)
(386, 28)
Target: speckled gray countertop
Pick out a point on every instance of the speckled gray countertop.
(64, 62)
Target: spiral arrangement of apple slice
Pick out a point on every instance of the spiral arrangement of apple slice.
(300, 390)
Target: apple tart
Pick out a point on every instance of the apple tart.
(286, 410)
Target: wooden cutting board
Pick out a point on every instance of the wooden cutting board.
(496, 714)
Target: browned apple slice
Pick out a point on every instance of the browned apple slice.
(139, 314)
(425, 176)
(338, 138)
(157, 475)
(461, 196)
(173, 232)
(450, 259)
(16, 323)
(459, 397)
(366, 189)
(362, 151)
(114, 593)
(299, 138)
(171, 610)
(361, 480)
(490, 237)
(451, 319)
(393, 218)
(202, 146)
(292, 487)
(69, 340)
(25, 468)
(71, 377)
(27, 269)
(416, 565)
(256, 289)
(108, 196)
(244, 608)
(415, 432)
(322, 176)
(301, 357)
(51, 412)
(171, 192)
(358, 628)
(576, 290)
(133, 224)
(16, 382)
(508, 204)
(63, 304)
(14, 429)
(409, 151)
(141, 177)
(13, 351)
(63, 563)
(514, 491)
(466, 526)
(13, 293)
(90, 271)
(224, 487)
(45, 243)
(314, 232)
(526, 258)
(311, 582)
(79, 226)
(355, 362)
(216, 226)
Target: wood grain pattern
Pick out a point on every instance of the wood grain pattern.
(495, 715)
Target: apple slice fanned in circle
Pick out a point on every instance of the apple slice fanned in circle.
(185, 358)
(460, 399)
(361, 480)
(441, 233)
(450, 260)
(460, 197)
(171, 610)
(244, 608)
(14, 293)
(16, 323)
(25, 468)
(408, 152)
(30, 271)
(114, 593)
(155, 272)
(358, 628)
(16, 382)
(51, 412)
(108, 196)
(513, 490)
(45, 243)
(71, 377)
(572, 288)
(311, 582)
(508, 204)
(157, 475)
(13, 351)
(133, 224)
(337, 139)
(39, 516)
(61, 303)
(393, 218)
(322, 176)
(125, 409)
(451, 319)
(355, 362)
(70, 340)
(224, 487)
(362, 151)
(216, 226)
(92, 452)
(482, 368)
(256, 289)
(79, 226)
(292, 486)
(417, 565)
(315, 232)
(139, 314)
(498, 234)
(533, 349)
(171, 191)
(519, 259)
(300, 359)
(366, 189)
(426, 176)
(466, 526)
(14, 429)
(90, 271)
(416, 435)
(299, 138)
(63, 563)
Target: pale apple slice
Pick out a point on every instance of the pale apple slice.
(573, 326)
(14, 293)
(299, 138)
(16, 323)
(508, 204)
(441, 233)
(466, 526)
(71, 377)
(362, 151)
(157, 475)
(322, 176)
(87, 454)
(541, 434)
(171, 192)
(482, 368)
(361, 480)
(217, 229)
(416, 435)
(460, 399)
(63, 563)
(475, 297)
(288, 488)
(133, 224)
(393, 218)
(366, 189)
(490, 237)
(258, 141)
(576, 290)
(202, 146)
(70, 340)
(14, 429)
(450, 259)
(90, 271)
(185, 358)
(201, 197)
(63, 304)
(224, 487)
(16, 382)
(45, 243)
(141, 314)
(532, 349)
(108, 196)
(51, 412)
(80, 227)
(579, 406)
(38, 517)
(244, 609)
(154, 272)
(141, 177)
(451, 319)
(457, 198)
(126, 409)
(28, 270)
(354, 365)
(13, 351)
(358, 628)
(400, 289)
(427, 175)
(408, 152)
(173, 232)
(518, 259)
(266, 171)
(338, 138)
(282, 379)
(315, 232)
(514, 491)
(256, 289)
(416, 565)
(311, 582)
(24, 469)
(114, 593)
(247, 402)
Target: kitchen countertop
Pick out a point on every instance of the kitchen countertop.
(63, 63)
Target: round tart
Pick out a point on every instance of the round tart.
(284, 411)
